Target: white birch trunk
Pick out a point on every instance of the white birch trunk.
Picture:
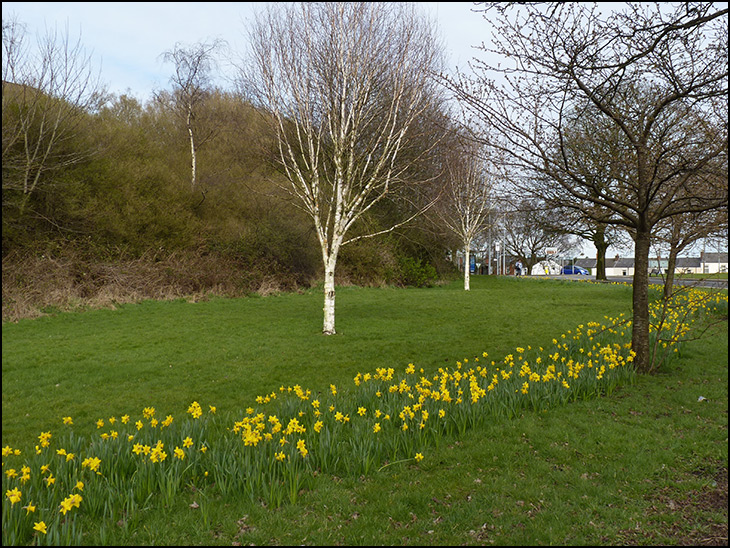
(330, 261)
(467, 272)
(192, 149)
(192, 159)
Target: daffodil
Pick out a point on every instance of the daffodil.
(91, 462)
(13, 495)
(301, 446)
(45, 438)
(195, 410)
(69, 502)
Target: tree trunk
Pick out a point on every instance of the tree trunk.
(599, 241)
(192, 150)
(671, 265)
(674, 248)
(467, 269)
(640, 327)
(330, 261)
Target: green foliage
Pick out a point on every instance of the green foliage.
(416, 273)
(129, 206)
(368, 262)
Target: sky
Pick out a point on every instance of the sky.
(128, 38)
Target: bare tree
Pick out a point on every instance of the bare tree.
(344, 82)
(191, 84)
(596, 154)
(46, 92)
(648, 71)
(530, 227)
(681, 232)
(465, 206)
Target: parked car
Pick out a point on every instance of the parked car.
(574, 270)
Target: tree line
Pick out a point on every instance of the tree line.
(191, 171)
(346, 148)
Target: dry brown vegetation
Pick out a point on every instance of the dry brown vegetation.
(35, 284)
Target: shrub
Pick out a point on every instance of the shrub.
(417, 273)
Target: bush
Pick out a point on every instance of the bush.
(416, 273)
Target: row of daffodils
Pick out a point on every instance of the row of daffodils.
(273, 449)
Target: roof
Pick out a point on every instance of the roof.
(714, 257)
(688, 262)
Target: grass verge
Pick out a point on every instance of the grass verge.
(633, 468)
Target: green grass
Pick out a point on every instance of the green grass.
(713, 276)
(226, 352)
(643, 466)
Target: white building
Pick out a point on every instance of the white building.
(706, 263)
(712, 263)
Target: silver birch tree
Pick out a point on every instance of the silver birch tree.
(191, 82)
(468, 200)
(47, 89)
(342, 83)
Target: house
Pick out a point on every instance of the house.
(688, 265)
(712, 263)
(620, 266)
(706, 263)
(587, 263)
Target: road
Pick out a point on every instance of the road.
(652, 280)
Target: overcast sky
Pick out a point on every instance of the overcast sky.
(127, 38)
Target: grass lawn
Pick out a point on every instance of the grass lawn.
(225, 352)
(647, 465)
